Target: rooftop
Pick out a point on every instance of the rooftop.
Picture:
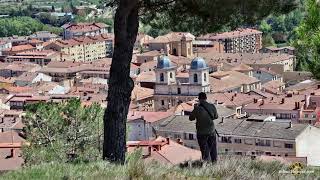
(223, 81)
(238, 127)
(84, 27)
(231, 34)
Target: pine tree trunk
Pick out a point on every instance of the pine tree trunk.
(120, 84)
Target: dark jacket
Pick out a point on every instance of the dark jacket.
(204, 123)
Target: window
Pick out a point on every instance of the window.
(248, 141)
(238, 153)
(226, 139)
(289, 146)
(238, 141)
(162, 102)
(268, 153)
(179, 90)
(277, 144)
(161, 77)
(306, 115)
(176, 136)
(191, 137)
(268, 143)
(205, 77)
(195, 78)
(171, 76)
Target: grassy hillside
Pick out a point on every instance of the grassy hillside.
(226, 168)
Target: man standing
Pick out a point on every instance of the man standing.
(204, 113)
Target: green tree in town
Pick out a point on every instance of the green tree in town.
(23, 26)
(307, 41)
(63, 132)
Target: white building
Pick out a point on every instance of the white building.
(4, 45)
(29, 78)
(169, 91)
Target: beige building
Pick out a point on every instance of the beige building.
(239, 41)
(252, 137)
(233, 81)
(84, 49)
(176, 43)
(169, 90)
(41, 58)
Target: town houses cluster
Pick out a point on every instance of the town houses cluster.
(267, 110)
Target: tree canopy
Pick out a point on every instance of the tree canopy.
(63, 132)
(23, 26)
(307, 41)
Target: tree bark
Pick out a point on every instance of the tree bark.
(120, 84)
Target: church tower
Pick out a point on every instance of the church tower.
(165, 71)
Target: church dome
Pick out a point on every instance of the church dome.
(198, 63)
(164, 63)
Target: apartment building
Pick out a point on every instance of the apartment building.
(239, 41)
(287, 50)
(252, 137)
(235, 101)
(82, 49)
(284, 107)
(72, 30)
(60, 71)
(15, 69)
(41, 58)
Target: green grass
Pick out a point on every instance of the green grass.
(225, 168)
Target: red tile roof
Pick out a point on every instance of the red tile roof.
(232, 34)
(166, 152)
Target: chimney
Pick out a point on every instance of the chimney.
(179, 141)
(282, 101)
(12, 154)
(168, 141)
(290, 124)
(149, 150)
(216, 102)
(222, 119)
(182, 113)
(306, 101)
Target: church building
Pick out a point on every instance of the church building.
(170, 91)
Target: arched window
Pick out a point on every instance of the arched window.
(205, 77)
(171, 76)
(161, 77)
(195, 78)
